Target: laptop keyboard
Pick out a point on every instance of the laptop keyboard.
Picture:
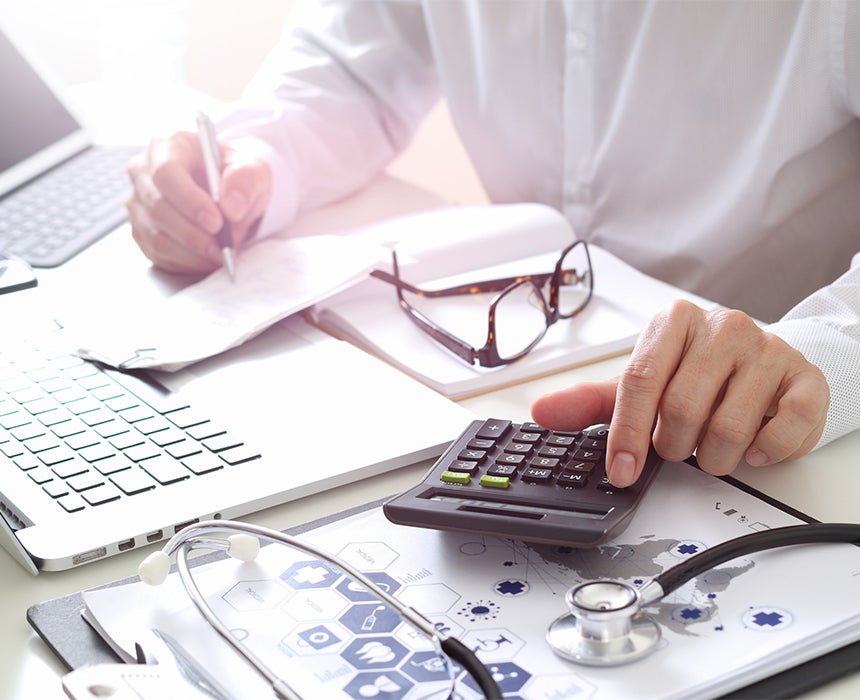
(87, 436)
(55, 216)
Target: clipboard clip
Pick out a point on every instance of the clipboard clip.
(164, 671)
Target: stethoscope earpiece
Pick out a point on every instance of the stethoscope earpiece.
(604, 626)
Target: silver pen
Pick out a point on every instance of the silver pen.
(212, 166)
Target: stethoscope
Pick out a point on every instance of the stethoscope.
(605, 625)
(242, 541)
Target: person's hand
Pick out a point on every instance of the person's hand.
(706, 381)
(173, 218)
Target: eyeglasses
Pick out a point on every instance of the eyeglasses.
(519, 316)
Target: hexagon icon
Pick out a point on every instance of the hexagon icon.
(386, 685)
(495, 644)
(315, 604)
(382, 652)
(255, 595)
(368, 556)
(416, 640)
(429, 598)
(446, 625)
(370, 618)
(325, 638)
(311, 574)
(356, 591)
(427, 666)
(509, 676)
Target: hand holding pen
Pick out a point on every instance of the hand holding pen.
(174, 219)
(212, 165)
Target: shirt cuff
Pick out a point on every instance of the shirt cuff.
(837, 355)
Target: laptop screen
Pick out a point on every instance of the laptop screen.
(36, 129)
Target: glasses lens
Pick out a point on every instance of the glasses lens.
(576, 282)
(520, 317)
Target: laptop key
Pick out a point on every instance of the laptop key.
(132, 481)
(11, 449)
(41, 475)
(186, 417)
(56, 455)
(85, 481)
(167, 437)
(56, 488)
(103, 493)
(165, 470)
(112, 428)
(184, 448)
(142, 452)
(72, 503)
(239, 455)
(28, 431)
(71, 468)
(129, 438)
(111, 465)
(85, 438)
(93, 453)
(203, 462)
(219, 443)
(26, 462)
(67, 428)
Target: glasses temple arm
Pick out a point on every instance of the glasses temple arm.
(440, 335)
(496, 285)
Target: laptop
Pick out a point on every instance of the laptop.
(274, 420)
(59, 192)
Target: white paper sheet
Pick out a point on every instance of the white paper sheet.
(274, 278)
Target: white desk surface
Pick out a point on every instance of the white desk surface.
(824, 485)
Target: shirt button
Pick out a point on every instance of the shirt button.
(578, 40)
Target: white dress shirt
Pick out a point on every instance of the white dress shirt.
(715, 145)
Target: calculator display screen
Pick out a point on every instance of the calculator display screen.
(521, 509)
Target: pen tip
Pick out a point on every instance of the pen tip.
(229, 262)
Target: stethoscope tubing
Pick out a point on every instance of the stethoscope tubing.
(810, 533)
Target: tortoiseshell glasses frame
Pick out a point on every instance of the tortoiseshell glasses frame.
(488, 355)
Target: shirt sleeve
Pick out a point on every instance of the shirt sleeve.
(825, 327)
(337, 100)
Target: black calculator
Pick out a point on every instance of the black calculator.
(525, 482)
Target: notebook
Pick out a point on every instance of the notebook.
(458, 246)
(285, 415)
(59, 192)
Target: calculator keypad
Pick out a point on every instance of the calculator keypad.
(522, 481)
(500, 453)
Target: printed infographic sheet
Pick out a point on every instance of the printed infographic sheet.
(328, 637)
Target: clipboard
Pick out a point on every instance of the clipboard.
(74, 642)
(60, 625)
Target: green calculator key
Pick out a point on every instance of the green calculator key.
(455, 477)
(496, 482)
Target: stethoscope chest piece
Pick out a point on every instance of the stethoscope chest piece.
(604, 626)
